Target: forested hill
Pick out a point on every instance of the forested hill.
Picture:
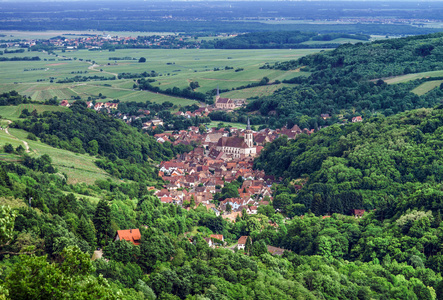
(280, 40)
(339, 81)
(390, 164)
(378, 59)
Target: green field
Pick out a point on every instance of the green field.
(335, 41)
(413, 76)
(175, 67)
(232, 124)
(255, 91)
(13, 112)
(426, 87)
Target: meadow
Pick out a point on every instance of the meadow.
(413, 76)
(176, 68)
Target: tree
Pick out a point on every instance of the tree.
(20, 149)
(8, 148)
(7, 219)
(142, 60)
(248, 245)
(192, 202)
(102, 221)
(93, 147)
(35, 278)
(259, 248)
(281, 201)
(86, 230)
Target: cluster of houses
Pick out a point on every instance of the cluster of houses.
(97, 41)
(195, 177)
(213, 138)
(97, 106)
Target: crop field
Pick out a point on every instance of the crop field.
(226, 69)
(426, 87)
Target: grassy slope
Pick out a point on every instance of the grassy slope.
(78, 167)
(413, 76)
(426, 87)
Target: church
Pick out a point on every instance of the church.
(238, 146)
(223, 103)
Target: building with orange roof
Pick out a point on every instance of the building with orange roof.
(130, 235)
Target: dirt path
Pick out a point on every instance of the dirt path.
(25, 143)
(92, 66)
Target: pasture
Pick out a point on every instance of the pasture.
(175, 68)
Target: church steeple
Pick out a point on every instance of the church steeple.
(249, 137)
(218, 94)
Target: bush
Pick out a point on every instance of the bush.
(31, 137)
(8, 148)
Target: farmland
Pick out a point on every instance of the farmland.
(175, 68)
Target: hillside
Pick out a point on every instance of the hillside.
(283, 40)
(55, 226)
(348, 81)
(389, 164)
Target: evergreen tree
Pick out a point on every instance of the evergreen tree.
(86, 230)
(248, 245)
(102, 220)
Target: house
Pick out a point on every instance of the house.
(65, 103)
(242, 242)
(325, 116)
(358, 213)
(209, 241)
(156, 122)
(357, 119)
(217, 237)
(131, 235)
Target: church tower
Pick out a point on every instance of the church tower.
(218, 94)
(249, 137)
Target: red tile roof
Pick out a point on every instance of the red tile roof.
(242, 240)
(130, 235)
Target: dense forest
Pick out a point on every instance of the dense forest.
(390, 164)
(279, 40)
(348, 81)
